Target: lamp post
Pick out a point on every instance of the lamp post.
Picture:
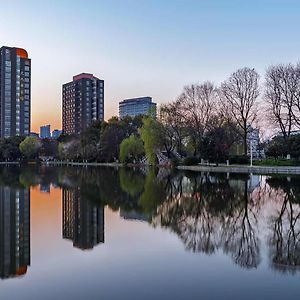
(251, 154)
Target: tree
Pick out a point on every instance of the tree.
(30, 147)
(111, 137)
(240, 92)
(61, 151)
(48, 147)
(218, 141)
(69, 150)
(151, 135)
(175, 131)
(9, 148)
(131, 149)
(197, 107)
(280, 90)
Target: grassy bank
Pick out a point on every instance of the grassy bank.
(277, 162)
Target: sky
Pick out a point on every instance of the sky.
(145, 47)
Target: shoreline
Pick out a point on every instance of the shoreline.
(243, 169)
(94, 164)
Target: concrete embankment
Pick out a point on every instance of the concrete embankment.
(9, 163)
(242, 169)
(95, 164)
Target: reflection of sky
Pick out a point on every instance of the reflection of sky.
(136, 261)
(147, 47)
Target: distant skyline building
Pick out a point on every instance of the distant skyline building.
(15, 92)
(45, 132)
(34, 134)
(56, 133)
(14, 231)
(137, 106)
(83, 222)
(253, 142)
(82, 103)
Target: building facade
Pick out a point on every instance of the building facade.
(253, 143)
(137, 106)
(15, 94)
(82, 103)
(45, 132)
(56, 133)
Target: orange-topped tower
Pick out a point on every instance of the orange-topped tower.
(15, 92)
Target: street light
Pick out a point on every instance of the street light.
(251, 154)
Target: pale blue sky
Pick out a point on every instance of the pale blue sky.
(145, 47)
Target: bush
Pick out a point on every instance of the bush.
(239, 160)
(277, 162)
(131, 149)
(175, 161)
(30, 147)
(190, 161)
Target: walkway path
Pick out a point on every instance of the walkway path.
(242, 169)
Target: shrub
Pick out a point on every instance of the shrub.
(277, 162)
(190, 161)
(30, 147)
(131, 149)
(175, 161)
(239, 160)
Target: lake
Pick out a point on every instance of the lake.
(106, 233)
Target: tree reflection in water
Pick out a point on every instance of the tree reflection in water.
(212, 214)
(285, 238)
(208, 212)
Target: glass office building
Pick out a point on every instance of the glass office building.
(137, 106)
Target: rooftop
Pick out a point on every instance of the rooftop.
(138, 99)
(84, 75)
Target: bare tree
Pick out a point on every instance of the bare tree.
(240, 92)
(281, 96)
(171, 117)
(198, 103)
(296, 110)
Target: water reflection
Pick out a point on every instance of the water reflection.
(83, 223)
(285, 238)
(237, 215)
(14, 231)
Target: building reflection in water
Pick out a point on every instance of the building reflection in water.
(45, 188)
(83, 222)
(14, 231)
(133, 215)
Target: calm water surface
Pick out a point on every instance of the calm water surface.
(103, 233)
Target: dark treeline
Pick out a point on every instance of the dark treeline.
(205, 122)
